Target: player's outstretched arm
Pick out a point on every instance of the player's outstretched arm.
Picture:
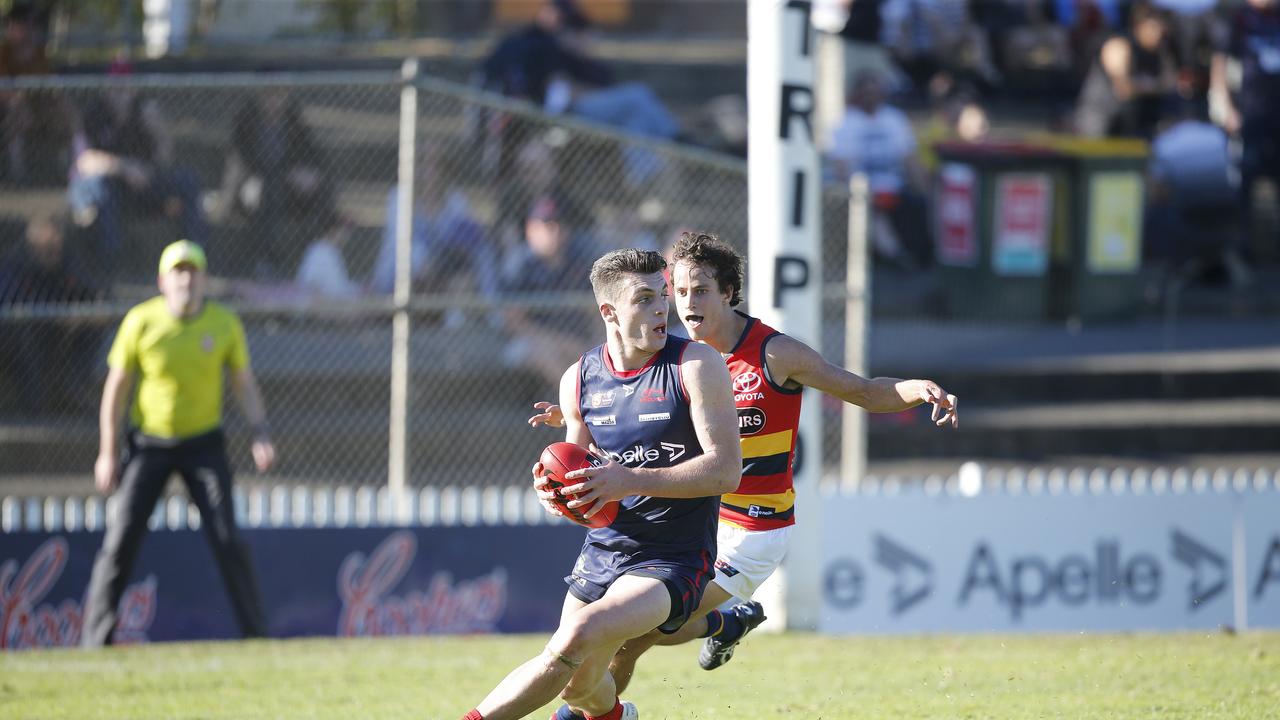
(715, 420)
(791, 360)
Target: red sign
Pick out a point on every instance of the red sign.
(1021, 242)
(956, 236)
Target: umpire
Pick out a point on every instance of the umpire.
(175, 347)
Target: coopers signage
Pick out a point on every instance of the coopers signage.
(345, 582)
(1051, 563)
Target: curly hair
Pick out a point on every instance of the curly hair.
(709, 251)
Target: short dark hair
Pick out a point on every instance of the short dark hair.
(710, 251)
(609, 269)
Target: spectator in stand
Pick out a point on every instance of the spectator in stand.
(1130, 81)
(322, 274)
(52, 356)
(1089, 23)
(1251, 111)
(1194, 30)
(556, 258)
(1033, 45)
(276, 176)
(918, 33)
(523, 66)
(861, 24)
(955, 115)
(450, 250)
(525, 62)
(546, 63)
(876, 138)
(33, 124)
(124, 167)
(1193, 208)
(535, 174)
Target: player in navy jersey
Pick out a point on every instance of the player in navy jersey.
(660, 415)
(769, 371)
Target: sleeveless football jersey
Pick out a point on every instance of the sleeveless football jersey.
(641, 418)
(768, 417)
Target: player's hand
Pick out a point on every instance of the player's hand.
(548, 414)
(264, 454)
(542, 487)
(597, 486)
(104, 473)
(945, 407)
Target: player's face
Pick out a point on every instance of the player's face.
(701, 305)
(641, 311)
(183, 288)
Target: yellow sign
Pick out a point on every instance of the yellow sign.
(1115, 222)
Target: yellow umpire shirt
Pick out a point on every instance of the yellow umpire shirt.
(178, 363)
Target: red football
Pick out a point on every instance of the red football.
(563, 457)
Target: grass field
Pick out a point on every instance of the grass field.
(789, 676)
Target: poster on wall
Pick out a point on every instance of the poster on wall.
(1023, 212)
(1115, 222)
(957, 232)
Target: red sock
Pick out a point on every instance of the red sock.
(473, 715)
(614, 714)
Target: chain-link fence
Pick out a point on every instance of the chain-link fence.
(290, 182)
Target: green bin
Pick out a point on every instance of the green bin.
(1050, 229)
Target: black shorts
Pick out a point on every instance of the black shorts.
(685, 576)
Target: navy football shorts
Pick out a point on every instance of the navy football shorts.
(685, 576)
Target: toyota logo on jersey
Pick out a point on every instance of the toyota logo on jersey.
(746, 382)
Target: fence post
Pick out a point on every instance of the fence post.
(397, 450)
(853, 435)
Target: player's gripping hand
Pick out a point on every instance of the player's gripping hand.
(548, 414)
(598, 485)
(541, 487)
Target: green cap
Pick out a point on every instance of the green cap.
(182, 251)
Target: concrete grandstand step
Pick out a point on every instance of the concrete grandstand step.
(1137, 376)
(1133, 428)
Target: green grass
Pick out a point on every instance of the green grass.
(789, 676)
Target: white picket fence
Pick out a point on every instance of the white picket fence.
(284, 506)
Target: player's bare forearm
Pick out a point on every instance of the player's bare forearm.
(791, 361)
(888, 395)
(894, 395)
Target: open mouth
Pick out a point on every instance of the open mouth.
(660, 329)
(693, 321)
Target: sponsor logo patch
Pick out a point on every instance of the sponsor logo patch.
(726, 569)
(751, 420)
(652, 395)
(605, 420)
(602, 399)
(747, 382)
(654, 417)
